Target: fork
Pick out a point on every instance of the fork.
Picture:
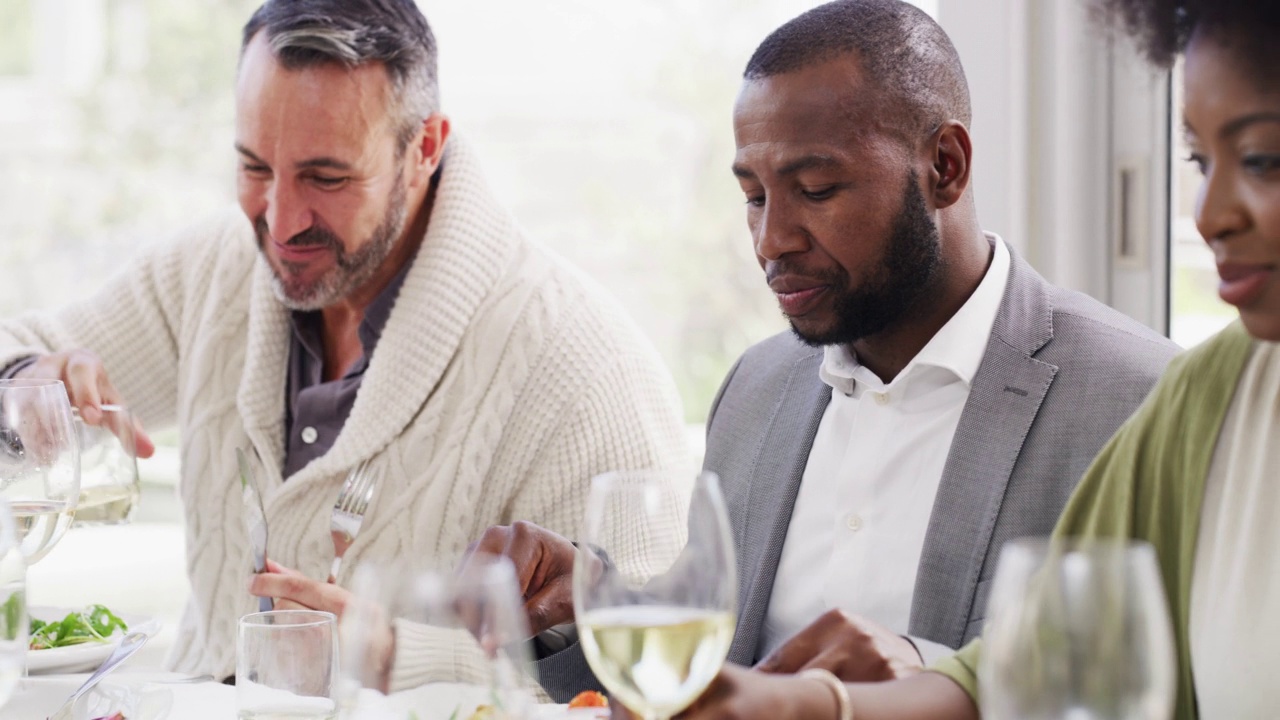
(348, 513)
(130, 644)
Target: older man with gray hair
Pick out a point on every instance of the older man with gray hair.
(373, 304)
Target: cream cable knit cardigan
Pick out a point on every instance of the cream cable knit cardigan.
(502, 382)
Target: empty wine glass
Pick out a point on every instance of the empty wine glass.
(39, 462)
(1077, 630)
(464, 634)
(655, 599)
(13, 607)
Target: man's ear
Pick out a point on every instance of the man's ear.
(952, 155)
(426, 149)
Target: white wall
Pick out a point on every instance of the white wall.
(991, 38)
(1059, 111)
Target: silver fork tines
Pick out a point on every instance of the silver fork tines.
(348, 513)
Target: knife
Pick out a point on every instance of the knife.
(255, 520)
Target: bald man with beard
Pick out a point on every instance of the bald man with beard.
(935, 396)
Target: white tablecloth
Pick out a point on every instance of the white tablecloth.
(153, 696)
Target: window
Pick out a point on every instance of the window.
(605, 127)
(1196, 311)
(16, 30)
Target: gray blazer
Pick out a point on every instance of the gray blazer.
(1060, 373)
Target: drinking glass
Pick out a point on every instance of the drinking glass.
(287, 666)
(39, 462)
(109, 487)
(465, 629)
(655, 599)
(13, 607)
(1077, 630)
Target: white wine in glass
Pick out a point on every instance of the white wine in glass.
(654, 599)
(39, 462)
(1077, 630)
(109, 486)
(40, 524)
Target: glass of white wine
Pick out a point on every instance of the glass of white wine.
(1077, 629)
(655, 598)
(39, 462)
(13, 607)
(109, 486)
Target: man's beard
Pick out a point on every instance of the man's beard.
(890, 294)
(349, 271)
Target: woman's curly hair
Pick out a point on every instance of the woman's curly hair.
(1163, 27)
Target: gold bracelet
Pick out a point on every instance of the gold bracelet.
(843, 703)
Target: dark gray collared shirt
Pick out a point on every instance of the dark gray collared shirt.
(315, 410)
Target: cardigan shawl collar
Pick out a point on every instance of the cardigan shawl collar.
(467, 229)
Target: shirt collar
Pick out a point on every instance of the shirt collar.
(379, 311)
(958, 347)
(306, 324)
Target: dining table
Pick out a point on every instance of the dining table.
(143, 693)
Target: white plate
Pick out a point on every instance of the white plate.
(78, 658)
(438, 701)
(562, 712)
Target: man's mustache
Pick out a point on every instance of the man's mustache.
(780, 268)
(314, 236)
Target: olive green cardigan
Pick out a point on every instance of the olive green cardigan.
(1148, 483)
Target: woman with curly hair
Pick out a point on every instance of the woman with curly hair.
(1196, 471)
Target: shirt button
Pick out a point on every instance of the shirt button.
(309, 435)
(882, 398)
(853, 522)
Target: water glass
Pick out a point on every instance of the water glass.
(13, 608)
(1077, 630)
(287, 666)
(655, 599)
(109, 487)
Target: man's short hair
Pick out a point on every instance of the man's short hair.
(1164, 27)
(307, 33)
(901, 49)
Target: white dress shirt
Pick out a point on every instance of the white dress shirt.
(1236, 579)
(868, 488)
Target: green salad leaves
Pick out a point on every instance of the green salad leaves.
(11, 612)
(94, 624)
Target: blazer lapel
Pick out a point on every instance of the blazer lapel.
(1007, 392)
(775, 482)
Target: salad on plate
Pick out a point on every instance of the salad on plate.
(93, 624)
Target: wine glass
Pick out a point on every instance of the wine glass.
(1077, 630)
(109, 485)
(39, 462)
(655, 599)
(464, 634)
(13, 607)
